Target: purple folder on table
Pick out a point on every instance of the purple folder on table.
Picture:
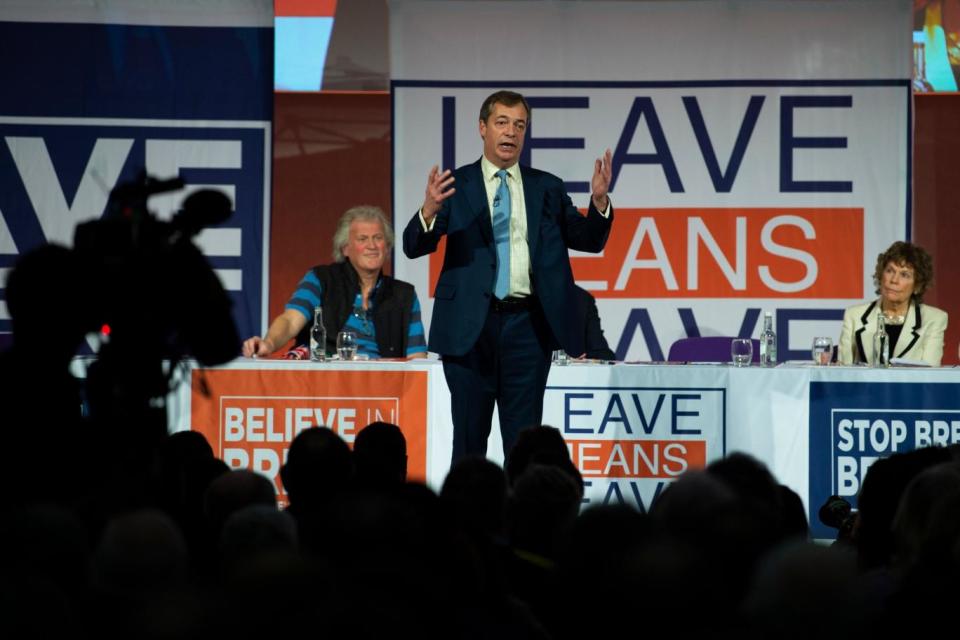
(709, 349)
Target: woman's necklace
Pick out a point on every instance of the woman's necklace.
(892, 317)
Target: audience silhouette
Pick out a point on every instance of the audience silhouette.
(171, 542)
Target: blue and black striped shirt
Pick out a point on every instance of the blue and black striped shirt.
(309, 294)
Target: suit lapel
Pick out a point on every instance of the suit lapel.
(476, 195)
(912, 323)
(533, 202)
(864, 324)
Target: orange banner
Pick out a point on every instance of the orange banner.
(637, 458)
(724, 253)
(305, 8)
(250, 417)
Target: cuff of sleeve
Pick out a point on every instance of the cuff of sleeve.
(429, 227)
(606, 212)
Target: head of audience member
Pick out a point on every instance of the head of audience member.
(693, 507)
(270, 589)
(920, 515)
(544, 502)
(902, 274)
(380, 456)
(879, 497)
(475, 493)
(142, 552)
(48, 270)
(401, 551)
(319, 466)
(185, 466)
(641, 567)
(804, 590)
(600, 539)
(234, 491)
(504, 118)
(759, 494)
(364, 237)
(927, 567)
(794, 522)
(41, 400)
(255, 531)
(541, 445)
(721, 534)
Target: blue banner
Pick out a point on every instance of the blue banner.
(854, 424)
(88, 106)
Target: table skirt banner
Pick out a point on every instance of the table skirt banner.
(633, 430)
(854, 424)
(250, 416)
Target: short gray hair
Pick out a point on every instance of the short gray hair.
(366, 213)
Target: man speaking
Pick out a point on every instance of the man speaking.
(505, 298)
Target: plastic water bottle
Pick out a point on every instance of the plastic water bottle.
(880, 356)
(768, 342)
(318, 336)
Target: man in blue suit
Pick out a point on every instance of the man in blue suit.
(505, 298)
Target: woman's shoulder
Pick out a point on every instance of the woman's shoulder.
(929, 313)
(858, 310)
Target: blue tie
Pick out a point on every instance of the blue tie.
(501, 235)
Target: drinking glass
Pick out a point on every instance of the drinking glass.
(347, 345)
(822, 351)
(741, 352)
(560, 357)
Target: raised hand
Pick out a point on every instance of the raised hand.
(600, 184)
(438, 190)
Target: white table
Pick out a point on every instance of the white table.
(631, 428)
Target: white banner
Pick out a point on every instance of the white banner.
(761, 149)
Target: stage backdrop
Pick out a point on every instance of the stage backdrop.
(761, 149)
(93, 93)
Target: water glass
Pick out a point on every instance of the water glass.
(347, 345)
(822, 351)
(560, 357)
(741, 352)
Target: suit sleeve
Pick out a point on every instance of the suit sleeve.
(596, 343)
(847, 344)
(587, 233)
(932, 352)
(417, 241)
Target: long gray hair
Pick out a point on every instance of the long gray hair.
(366, 213)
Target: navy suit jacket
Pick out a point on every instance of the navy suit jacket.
(595, 347)
(464, 290)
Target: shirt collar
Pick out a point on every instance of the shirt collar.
(490, 170)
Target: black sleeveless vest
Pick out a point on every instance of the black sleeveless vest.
(392, 303)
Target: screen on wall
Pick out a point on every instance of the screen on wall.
(936, 45)
(302, 31)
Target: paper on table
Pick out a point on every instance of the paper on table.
(907, 362)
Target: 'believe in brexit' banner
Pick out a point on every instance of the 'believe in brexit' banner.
(251, 416)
